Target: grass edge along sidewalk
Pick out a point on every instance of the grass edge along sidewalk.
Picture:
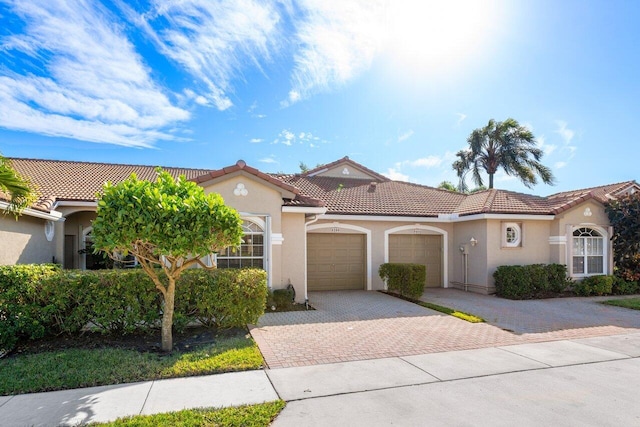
(78, 368)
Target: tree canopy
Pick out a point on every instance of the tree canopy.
(502, 145)
(624, 215)
(168, 226)
(20, 190)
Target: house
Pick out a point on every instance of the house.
(331, 228)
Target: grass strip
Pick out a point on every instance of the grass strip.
(446, 310)
(76, 368)
(632, 303)
(249, 415)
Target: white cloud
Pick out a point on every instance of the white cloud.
(560, 165)
(98, 88)
(211, 40)
(564, 132)
(461, 118)
(268, 160)
(256, 140)
(338, 40)
(428, 162)
(546, 148)
(408, 134)
(567, 136)
(395, 175)
(288, 138)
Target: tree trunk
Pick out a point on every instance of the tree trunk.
(167, 316)
(490, 181)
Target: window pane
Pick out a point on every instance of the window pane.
(594, 265)
(578, 265)
(578, 246)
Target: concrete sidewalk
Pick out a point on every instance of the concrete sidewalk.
(558, 378)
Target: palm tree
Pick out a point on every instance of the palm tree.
(505, 145)
(20, 191)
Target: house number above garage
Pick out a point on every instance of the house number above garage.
(240, 190)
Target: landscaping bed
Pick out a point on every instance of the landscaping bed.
(471, 318)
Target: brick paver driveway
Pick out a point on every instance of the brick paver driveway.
(537, 316)
(359, 325)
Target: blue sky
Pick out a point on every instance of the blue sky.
(395, 85)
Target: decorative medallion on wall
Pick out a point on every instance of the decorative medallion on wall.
(240, 190)
(587, 212)
(49, 230)
(345, 171)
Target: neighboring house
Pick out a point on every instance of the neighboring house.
(331, 227)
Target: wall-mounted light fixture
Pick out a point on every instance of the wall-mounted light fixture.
(473, 241)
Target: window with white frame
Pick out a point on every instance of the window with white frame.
(250, 253)
(588, 252)
(511, 234)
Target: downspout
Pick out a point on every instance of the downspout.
(313, 219)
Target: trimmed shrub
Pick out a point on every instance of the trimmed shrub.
(594, 285)
(557, 277)
(623, 287)
(280, 298)
(24, 310)
(122, 301)
(530, 281)
(405, 279)
(513, 282)
(224, 298)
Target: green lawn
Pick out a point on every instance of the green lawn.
(633, 303)
(446, 310)
(74, 368)
(249, 416)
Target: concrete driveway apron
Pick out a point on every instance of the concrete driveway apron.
(360, 325)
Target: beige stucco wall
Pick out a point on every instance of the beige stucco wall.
(337, 172)
(567, 221)
(377, 229)
(293, 254)
(534, 249)
(262, 198)
(24, 241)
(476, 255)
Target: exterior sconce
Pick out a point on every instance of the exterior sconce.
(473, 241)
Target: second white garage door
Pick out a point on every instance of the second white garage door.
(419, 249)
(335, 261)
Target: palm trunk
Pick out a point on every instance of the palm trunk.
(167, 316)
(490, 181)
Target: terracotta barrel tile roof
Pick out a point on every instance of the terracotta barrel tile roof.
(81, 181)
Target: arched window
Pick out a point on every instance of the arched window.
(588, 252)
(250, 253)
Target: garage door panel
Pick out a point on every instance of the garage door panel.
(419, 249)
(335, 261)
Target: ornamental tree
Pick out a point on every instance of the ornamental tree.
(168, 226)
(21, 192)
(624, 215)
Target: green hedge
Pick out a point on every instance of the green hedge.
(222, 298)
(405, 279)
(39, 300)
(24, 308)
(530, 281)
(594, 285)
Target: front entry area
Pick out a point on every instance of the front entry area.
(425, 249)
(336, 262)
